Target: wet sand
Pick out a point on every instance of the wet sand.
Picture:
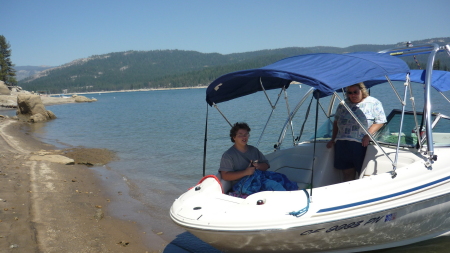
(51, 207)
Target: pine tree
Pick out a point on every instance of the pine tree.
(7, 72)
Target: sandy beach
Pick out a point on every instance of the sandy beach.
(52, 207)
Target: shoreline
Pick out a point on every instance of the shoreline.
(51, 207)
(137, 90)
(7, 100)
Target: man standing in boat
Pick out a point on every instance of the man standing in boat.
(349, 139)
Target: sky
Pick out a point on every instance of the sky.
(55, 32)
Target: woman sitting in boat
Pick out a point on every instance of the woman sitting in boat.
(349, 139)
(246, 166)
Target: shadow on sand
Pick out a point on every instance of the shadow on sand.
(187, 242)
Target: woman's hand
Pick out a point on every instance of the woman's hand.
(372, 130)
(250, 169)
(365, 140)
(263, 166)
(330, 144)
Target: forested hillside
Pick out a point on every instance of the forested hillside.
(177, 68)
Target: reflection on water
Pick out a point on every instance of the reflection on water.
(437, 245)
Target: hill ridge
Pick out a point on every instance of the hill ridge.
(171, 68)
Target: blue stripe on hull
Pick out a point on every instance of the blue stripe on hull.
(383, 197)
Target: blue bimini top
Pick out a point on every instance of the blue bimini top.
(440, 80)
(324, 72)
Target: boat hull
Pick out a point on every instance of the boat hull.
(384, 229)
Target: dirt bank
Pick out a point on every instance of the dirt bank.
(51, 207)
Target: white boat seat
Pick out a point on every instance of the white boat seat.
(226, 185)
(297, 168)
(378, 163)
(376, 167)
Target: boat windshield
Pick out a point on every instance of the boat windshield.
(388, 134)
(325, 131)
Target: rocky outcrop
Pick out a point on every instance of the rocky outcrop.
(7, 102)
(4, 90)
(53, 158)
(83, 99)
(30, 108)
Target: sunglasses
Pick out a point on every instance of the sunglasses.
(352, 92)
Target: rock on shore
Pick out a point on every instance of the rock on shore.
(30, 108)
(83, 99)
(4, 89)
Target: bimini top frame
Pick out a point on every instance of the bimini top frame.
(326, 73)
(432, 50)
(440, 80)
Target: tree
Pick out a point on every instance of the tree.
(7, 72)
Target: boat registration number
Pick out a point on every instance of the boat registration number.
(354, 224)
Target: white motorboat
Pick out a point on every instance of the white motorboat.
(401, 197)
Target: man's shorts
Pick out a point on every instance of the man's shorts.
(349, 154)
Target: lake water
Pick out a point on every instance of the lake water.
(159, 138)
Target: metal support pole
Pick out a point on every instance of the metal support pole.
(429, 71)
(270, 116)
(394, 165)
(204, 142)
(214, 104)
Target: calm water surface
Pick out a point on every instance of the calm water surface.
(159, 136)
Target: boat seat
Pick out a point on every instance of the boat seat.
(297, 168)
(226, 185)
(378, 166)
(377, 163)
